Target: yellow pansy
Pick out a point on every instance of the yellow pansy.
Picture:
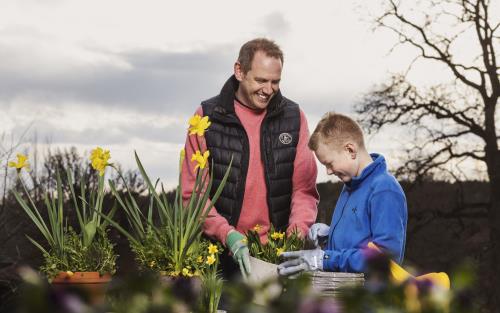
(198, 125)
(99, 159)
(212, 249)
(257, 228)
(186, 272)
(277, 235)
(21, 162)
(201, 160)
(279, 251)
(211, 259)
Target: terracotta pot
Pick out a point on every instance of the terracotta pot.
(93, 284)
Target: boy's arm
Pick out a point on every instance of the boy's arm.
(388, 227)
(215, 226)
(305, 197)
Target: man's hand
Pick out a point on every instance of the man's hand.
(317, 231)
(236, 242)
(299, 261)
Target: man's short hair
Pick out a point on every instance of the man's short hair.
(336, 129)
(249, 49)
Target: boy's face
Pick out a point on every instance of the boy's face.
(339, 161)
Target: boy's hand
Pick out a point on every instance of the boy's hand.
(303, 260)
(236, 242)
(316, 231)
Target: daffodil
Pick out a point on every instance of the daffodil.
(279, 251)
(198, 125)
(99, 159)
(22, 162)
(201, 160)
(186, 272)
(210, 259)
(257, 228)
(277, 235)
(212, 249)
(69, 273)
(152, 264)
(199, 259)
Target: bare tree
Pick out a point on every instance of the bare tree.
(453, 121)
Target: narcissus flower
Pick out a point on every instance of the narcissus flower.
(257, 228)
(198, 125)
(210, 259)
(279, 251)
(99, 159)
(212, 249)
(22, 162)
(199, 259)
(186, 272)
(277, 235)
(201, 160)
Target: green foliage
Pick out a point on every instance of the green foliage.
(98, 256)
(173, 243)
(277, 243)
(67, 248)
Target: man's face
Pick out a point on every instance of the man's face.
(261, 82)
(338, 161)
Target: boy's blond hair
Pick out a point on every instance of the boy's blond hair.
(336, 129)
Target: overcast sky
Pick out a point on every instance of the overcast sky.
(127, 75)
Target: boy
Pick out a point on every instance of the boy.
(371, 207)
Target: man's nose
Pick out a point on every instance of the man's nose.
(268, 88)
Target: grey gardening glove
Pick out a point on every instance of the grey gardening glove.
(299, 261)
(236, 242)
(318, 231)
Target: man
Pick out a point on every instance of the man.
(273, 173)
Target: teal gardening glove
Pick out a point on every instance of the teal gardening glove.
(236, 242)
(299, 261)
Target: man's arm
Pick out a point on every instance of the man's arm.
(305, 197)
(215, 225)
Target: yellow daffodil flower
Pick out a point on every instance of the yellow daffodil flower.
(69, 273)
(257, 228)
(279, 251)
(211, 259)
(21, 162)
(152, 264)
(198, 125)
(199, 259)
(99, 159)
(202, 160)
(212, 249)
(277, 235)
(186, 272)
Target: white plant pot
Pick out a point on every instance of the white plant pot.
(262, 272)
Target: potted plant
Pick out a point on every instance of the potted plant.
(168, 237)
(84, 255)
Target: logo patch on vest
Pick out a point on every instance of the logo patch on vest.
(285, 138)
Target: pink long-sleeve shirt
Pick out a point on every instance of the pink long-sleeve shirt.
(254, 210)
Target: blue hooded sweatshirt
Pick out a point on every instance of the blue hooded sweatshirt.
(371, 207)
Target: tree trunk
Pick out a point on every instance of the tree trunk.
(494, 225)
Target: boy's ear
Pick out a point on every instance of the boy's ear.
(352, 149)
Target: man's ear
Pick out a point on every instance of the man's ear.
(352, 149)
(238, 71)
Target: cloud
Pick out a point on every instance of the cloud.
(138, 80)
